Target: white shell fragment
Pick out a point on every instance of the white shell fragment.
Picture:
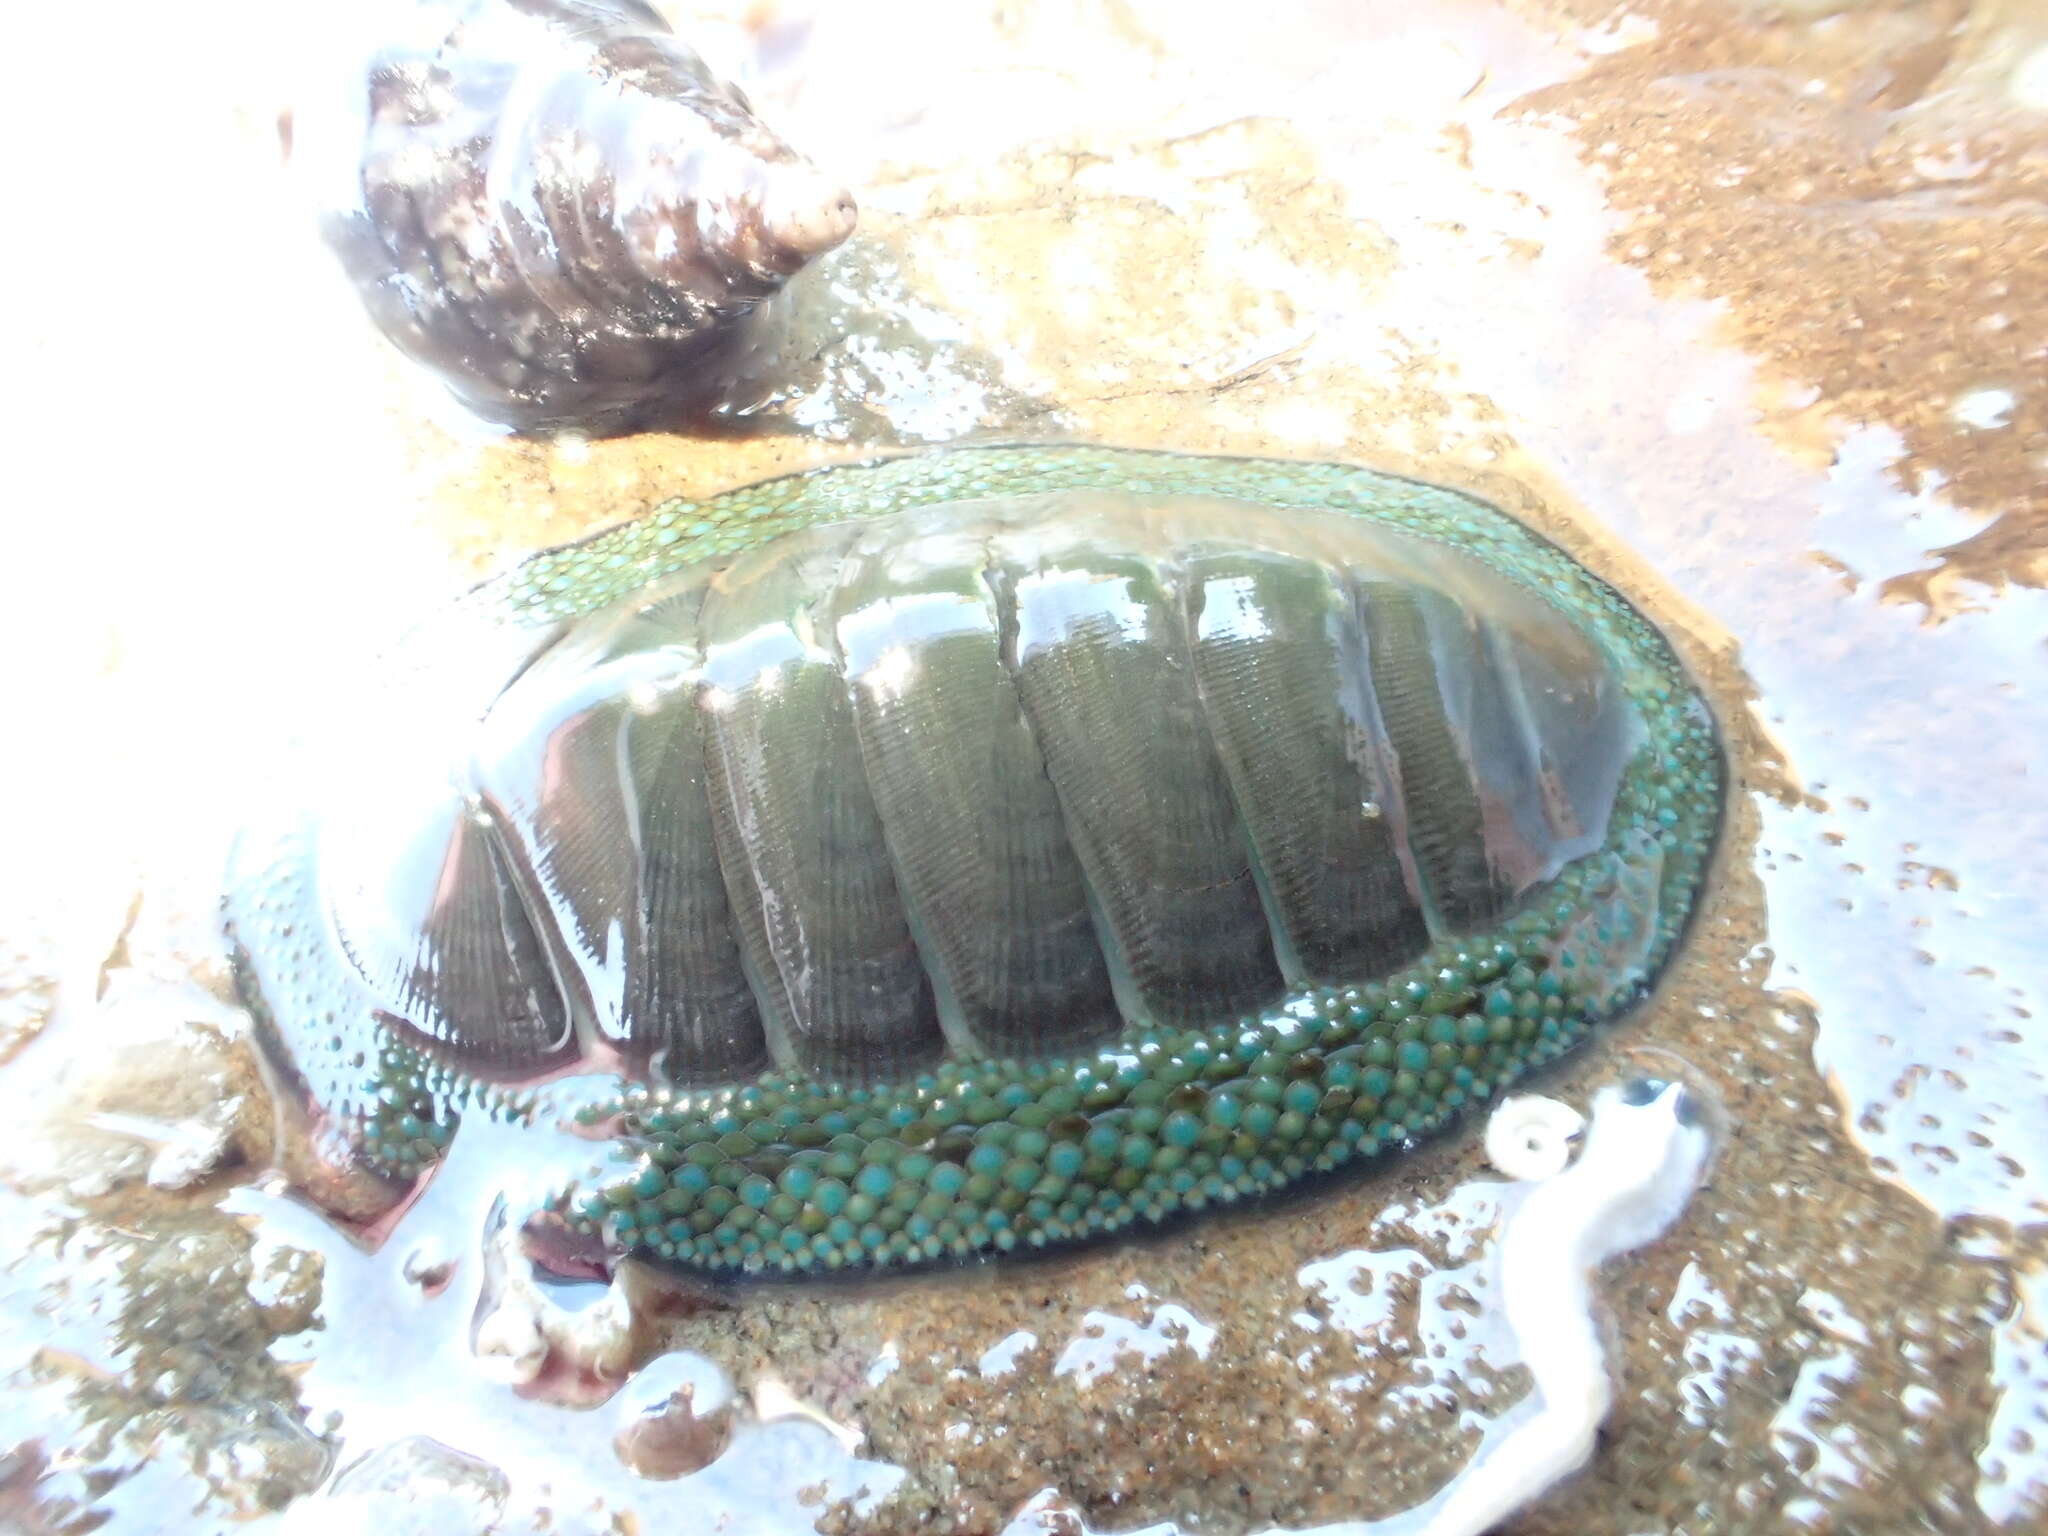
(1530, 1137)
(1645, 1153)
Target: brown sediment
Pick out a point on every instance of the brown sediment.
(1864, 191)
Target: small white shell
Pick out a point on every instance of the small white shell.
(1530, 1136)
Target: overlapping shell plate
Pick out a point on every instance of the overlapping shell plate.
(992, 848)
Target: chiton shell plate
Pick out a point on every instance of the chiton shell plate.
(991, 847)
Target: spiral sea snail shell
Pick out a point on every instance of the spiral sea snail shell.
(552, 204)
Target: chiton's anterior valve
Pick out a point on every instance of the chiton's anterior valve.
(988, 849)
(553, 204)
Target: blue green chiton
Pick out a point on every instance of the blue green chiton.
(989, 849)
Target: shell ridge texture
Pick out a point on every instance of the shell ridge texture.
(999, 848)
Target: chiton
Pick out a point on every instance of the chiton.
(989, 848)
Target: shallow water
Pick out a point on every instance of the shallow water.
(1744, 306)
